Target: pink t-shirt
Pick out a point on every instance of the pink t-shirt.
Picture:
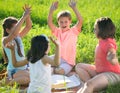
(67, 41)
(102, 64)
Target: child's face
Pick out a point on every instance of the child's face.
(64, 23)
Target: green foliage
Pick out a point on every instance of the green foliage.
(85, 48)
(8, 89)
(113, 88)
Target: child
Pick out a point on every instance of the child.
(66, 35)
(40, 69)
(106, 69)
(12, 33)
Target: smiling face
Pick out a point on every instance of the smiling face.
(64, 23)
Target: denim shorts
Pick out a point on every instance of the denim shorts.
(11, 73)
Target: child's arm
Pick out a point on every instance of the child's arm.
(28, 21)
(56, 60)
(50, 20)
(15, 30)
(14, 61)
(57, 52)
(72, 4)
(112, 57)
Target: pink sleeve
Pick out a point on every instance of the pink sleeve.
(55, 32)
(75, 30)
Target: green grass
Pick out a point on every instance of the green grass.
(90, 11)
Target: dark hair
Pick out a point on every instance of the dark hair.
(106, 28)
(8, 24)
(39, 45)
(64, 14)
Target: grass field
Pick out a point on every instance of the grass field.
(89, 9)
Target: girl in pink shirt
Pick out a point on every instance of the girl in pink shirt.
(106, 69)
(67, 36)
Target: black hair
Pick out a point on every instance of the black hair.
(106, 28)
(39, 46)
(8, 24)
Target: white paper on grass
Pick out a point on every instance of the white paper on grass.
(71, 82)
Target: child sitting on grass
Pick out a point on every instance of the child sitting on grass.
(40, 63)
(66, 35)
(106, 69)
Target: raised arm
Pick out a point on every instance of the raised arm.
(15, 63)
(28, 21)
(112, 57)
(57, 52)
(72, 4)
(50, 19)
(15, 30)
(56, 60)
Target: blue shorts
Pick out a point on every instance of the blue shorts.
(11, 73)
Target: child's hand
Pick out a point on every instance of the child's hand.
(55, 41)
(72, 3)
(10, 45)
(54, 6)
(27, 10)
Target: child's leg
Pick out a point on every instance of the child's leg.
(85, 71)
(100, 82)
(64, 68)
(21, 73)
(21, 77)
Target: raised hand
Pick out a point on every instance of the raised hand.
(72, 3)
(55, 41)
(54, 6)
(27, 10)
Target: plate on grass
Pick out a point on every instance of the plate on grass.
(64, 82)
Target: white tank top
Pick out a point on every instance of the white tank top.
(40, 78)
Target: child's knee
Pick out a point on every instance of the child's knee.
(27, 80)
(24, 80)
